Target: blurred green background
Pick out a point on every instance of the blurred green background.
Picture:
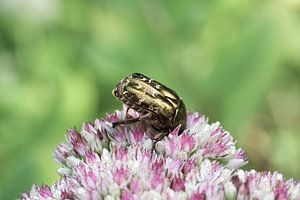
(237, 62)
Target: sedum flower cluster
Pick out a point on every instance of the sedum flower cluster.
(101, 162)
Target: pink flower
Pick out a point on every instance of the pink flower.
(260, 185)
(120, 175)
(78, 144)
(177, 184)
(102, 162)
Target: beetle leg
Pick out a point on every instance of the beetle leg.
(126, 112)
(160, 137)
(130, 121)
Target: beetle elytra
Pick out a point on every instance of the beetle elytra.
(156, 103)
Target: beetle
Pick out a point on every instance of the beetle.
(157, 104)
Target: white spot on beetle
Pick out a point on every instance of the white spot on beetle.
(157, 86)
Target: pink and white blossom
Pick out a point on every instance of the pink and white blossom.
(101, 162)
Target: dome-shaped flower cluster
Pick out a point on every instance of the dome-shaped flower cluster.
(202, 162)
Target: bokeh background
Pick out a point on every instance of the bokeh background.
(237, 62)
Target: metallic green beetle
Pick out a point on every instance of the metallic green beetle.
(160, 106)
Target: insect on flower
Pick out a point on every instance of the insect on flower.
(158, 105)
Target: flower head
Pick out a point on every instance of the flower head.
(101, 162)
